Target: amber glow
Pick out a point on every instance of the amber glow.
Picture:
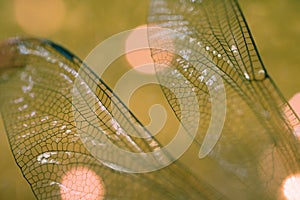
(82, 183)
(142, 56)
(272, 165)
(138, 38)
(295, 104)
(291, 187)
(39, 18)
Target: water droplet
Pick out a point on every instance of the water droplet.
(234, 49)
(192, 40)
(68, 131)
(201, 78)
(19, 100)
(260, 74)
(246, 75)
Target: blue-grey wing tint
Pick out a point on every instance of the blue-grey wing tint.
(210, 41)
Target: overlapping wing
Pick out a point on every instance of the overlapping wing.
(54, 124)
(210, 44)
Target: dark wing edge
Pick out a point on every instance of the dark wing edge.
(45, 129)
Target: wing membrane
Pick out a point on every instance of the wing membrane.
(57, 112)
(49, 119)
(210, 40)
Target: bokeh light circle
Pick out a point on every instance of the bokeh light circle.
(82, 183)
(291, 187)
(40, 18)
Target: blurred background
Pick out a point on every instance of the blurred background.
(81, 25)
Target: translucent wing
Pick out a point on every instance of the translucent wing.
(209, 43)
(57, 118)
(54, 124)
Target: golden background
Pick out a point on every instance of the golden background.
(81, 25)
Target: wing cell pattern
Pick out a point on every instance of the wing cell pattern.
(212, 41)
(57, 113)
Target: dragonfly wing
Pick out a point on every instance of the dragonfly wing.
(209, 43)
(56, 122)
